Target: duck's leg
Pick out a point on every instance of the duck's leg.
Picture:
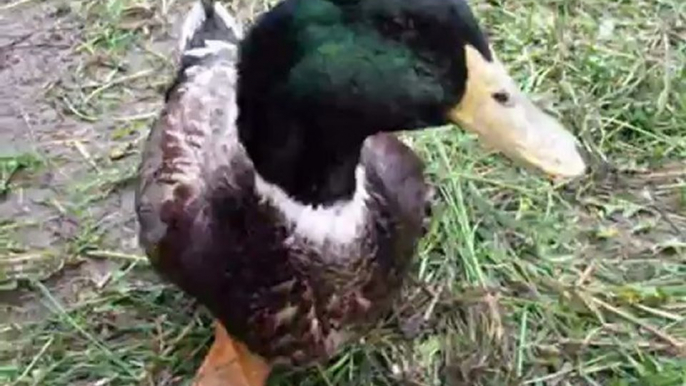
(229, 363)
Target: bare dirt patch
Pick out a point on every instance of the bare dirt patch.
(73, 109)
(637, 214)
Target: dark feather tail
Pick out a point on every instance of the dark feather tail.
(209, 21)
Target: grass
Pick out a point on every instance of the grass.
(517, 283)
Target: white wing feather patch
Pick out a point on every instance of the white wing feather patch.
(194, 19)
(211, 47)
(229, 20)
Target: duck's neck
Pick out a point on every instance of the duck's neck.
(311, 157)
(314, 179)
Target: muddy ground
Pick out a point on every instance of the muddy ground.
(70, 126)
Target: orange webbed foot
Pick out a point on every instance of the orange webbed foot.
(230, 363)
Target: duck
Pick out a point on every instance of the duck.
(274, 186)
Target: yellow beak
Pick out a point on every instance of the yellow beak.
(505, 119)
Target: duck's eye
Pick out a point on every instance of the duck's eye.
(502, 97)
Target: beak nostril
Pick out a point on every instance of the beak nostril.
(502, 97)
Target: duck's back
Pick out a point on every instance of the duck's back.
(194, 140)
(289, 290)
(194, 173)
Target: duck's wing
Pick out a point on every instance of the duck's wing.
(194, 142)
(396, 175)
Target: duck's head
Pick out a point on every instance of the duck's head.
(316, 77)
